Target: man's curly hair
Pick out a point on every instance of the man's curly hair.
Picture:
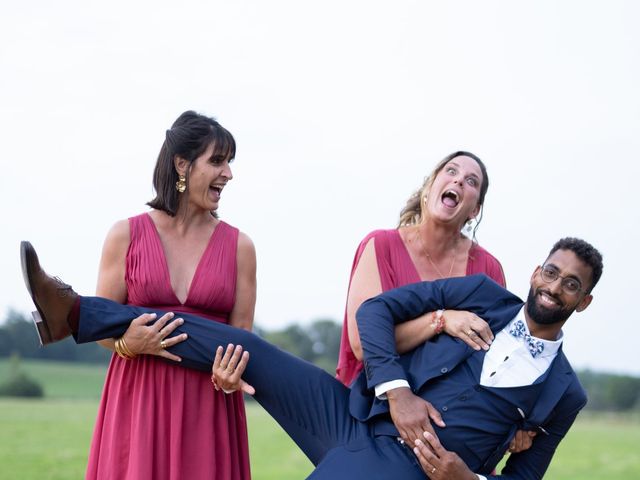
(585, 252)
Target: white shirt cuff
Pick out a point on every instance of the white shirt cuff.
(481, 477)
(384, 387)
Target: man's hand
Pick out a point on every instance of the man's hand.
(411, 414)
(521, 441)
(227, 370)
(439, 463)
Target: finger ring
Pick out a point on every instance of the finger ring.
(163, 344)
(433, 470)
(470, 332)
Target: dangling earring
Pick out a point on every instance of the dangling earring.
(181, 184)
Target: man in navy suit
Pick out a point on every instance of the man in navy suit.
(442, 410)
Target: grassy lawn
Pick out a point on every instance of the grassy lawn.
(49, 438)
(45, 439)
(62, 379)
(602, 446)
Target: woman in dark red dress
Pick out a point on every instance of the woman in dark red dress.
(157, 420)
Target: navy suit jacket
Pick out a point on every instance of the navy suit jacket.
(562, 396)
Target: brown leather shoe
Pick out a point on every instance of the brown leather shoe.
(53, 298)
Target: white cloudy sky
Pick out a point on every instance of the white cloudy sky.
(339, 109)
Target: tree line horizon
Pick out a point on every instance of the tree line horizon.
(317, 342)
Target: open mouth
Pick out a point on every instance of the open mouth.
(450, 198)
(217, 189)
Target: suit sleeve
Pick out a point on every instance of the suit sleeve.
(533, 463)
(378, 316)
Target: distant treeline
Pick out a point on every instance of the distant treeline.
(317, 342)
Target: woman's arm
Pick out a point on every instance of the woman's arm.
(245, 302)
(366, 284)
(111, 283)
(139, 337)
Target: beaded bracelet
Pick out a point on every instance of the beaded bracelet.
(437, 321)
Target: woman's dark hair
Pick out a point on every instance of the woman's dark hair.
(188, 138)
(411, 214)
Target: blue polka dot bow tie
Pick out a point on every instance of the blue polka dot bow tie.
(518, 330)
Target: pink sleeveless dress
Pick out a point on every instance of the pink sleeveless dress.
(396, 269)
(160, 421)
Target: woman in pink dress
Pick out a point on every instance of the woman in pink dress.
(157, 420)
(427, 245)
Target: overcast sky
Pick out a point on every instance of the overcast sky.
(339, 109)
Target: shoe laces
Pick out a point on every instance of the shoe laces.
(62, 287)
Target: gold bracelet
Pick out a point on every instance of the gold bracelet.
(123, 350)
(119, 349)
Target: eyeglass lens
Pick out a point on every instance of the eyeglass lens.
(569, 285)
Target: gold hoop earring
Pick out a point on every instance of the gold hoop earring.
(181, 184)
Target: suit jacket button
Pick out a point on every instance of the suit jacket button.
(444, 370)
(445, 408)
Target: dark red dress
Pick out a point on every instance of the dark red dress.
(396, 269)
(157, 420)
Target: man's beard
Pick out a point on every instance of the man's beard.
(543, 315)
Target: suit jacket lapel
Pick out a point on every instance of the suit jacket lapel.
(558, 378)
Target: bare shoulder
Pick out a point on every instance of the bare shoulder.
(245, 244)
(117, 241)
(119, 234)
(246, 258)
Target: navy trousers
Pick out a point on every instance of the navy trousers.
(307, 402)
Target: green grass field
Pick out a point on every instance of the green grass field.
(49, 438)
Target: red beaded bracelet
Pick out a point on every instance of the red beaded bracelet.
(437, 321)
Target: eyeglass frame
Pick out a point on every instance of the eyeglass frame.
(556, 276)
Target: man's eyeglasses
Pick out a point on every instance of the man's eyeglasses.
(570, 285)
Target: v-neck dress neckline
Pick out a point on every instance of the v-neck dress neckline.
(167, 272)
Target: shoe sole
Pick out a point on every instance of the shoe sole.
(42, 329)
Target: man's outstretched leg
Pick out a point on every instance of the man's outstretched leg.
(307, 402)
